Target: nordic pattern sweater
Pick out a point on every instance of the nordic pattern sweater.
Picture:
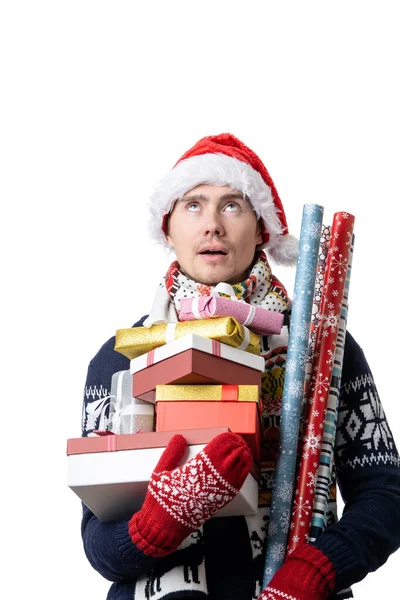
(368, 475)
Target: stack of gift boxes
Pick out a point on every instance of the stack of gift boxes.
(199, 376)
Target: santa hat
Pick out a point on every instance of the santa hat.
(224, 160)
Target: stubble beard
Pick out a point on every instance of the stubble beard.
(214, 275)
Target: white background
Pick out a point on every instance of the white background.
(98, 101)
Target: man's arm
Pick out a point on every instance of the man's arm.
(108, 546)
(368, 470)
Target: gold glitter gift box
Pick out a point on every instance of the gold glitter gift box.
(208, 393)
(136, 341)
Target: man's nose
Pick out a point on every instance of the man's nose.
(213, 223)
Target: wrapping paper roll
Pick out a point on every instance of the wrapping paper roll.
(256, 318)
(331, 306)
(318, 292)
(135, 341)
(293, 389)
(322, 488)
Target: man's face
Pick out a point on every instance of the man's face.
(214, 233)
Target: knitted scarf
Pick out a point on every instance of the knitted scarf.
(261, 288)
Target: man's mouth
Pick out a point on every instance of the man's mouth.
(213, 252)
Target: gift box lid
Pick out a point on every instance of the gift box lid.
(196, 342)
(207, 393)
(132, 441)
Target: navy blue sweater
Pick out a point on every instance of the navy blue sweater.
(368, 471)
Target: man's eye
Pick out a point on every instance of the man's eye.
(231, 206)
(192, 206)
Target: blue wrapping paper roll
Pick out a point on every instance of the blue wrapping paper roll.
(293, 389)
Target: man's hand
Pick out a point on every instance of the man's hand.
(180, 499)
(307, 574)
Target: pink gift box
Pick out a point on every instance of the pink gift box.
(259, 320)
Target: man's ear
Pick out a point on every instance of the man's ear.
(259, 238)
(169, 241)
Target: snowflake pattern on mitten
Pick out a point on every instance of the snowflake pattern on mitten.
(192, 493)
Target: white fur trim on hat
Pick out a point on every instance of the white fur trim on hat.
(220, 169)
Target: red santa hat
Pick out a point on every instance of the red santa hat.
(224, 160)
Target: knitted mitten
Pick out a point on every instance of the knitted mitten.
(306, 574)
(179, 500)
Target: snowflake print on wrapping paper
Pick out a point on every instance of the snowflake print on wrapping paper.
(309, 209)
(313, 477)
(314, 230)
(296, 388)
(340, 264)
(296, 539)
(303, 356)
(290, 432)
(300, 302)
(301, 506)
(272, 529)
(303, 330)
(284, 520)
(330, 358)
(312, 442)
(278, 551)
(291, 366)
(309, 277)
(331, 321)
(268, 571)
(285, 491)
(320, 383)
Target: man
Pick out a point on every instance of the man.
(218, 208)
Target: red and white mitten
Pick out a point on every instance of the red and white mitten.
(179, 500)
(306, 574)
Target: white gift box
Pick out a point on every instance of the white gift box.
(113, 482)
(196, 342)
(128, 414)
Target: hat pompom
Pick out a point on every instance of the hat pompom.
(285, 251)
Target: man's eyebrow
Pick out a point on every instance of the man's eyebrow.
(202, 197)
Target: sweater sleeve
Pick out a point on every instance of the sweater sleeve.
(108, 546)
(368, 471)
